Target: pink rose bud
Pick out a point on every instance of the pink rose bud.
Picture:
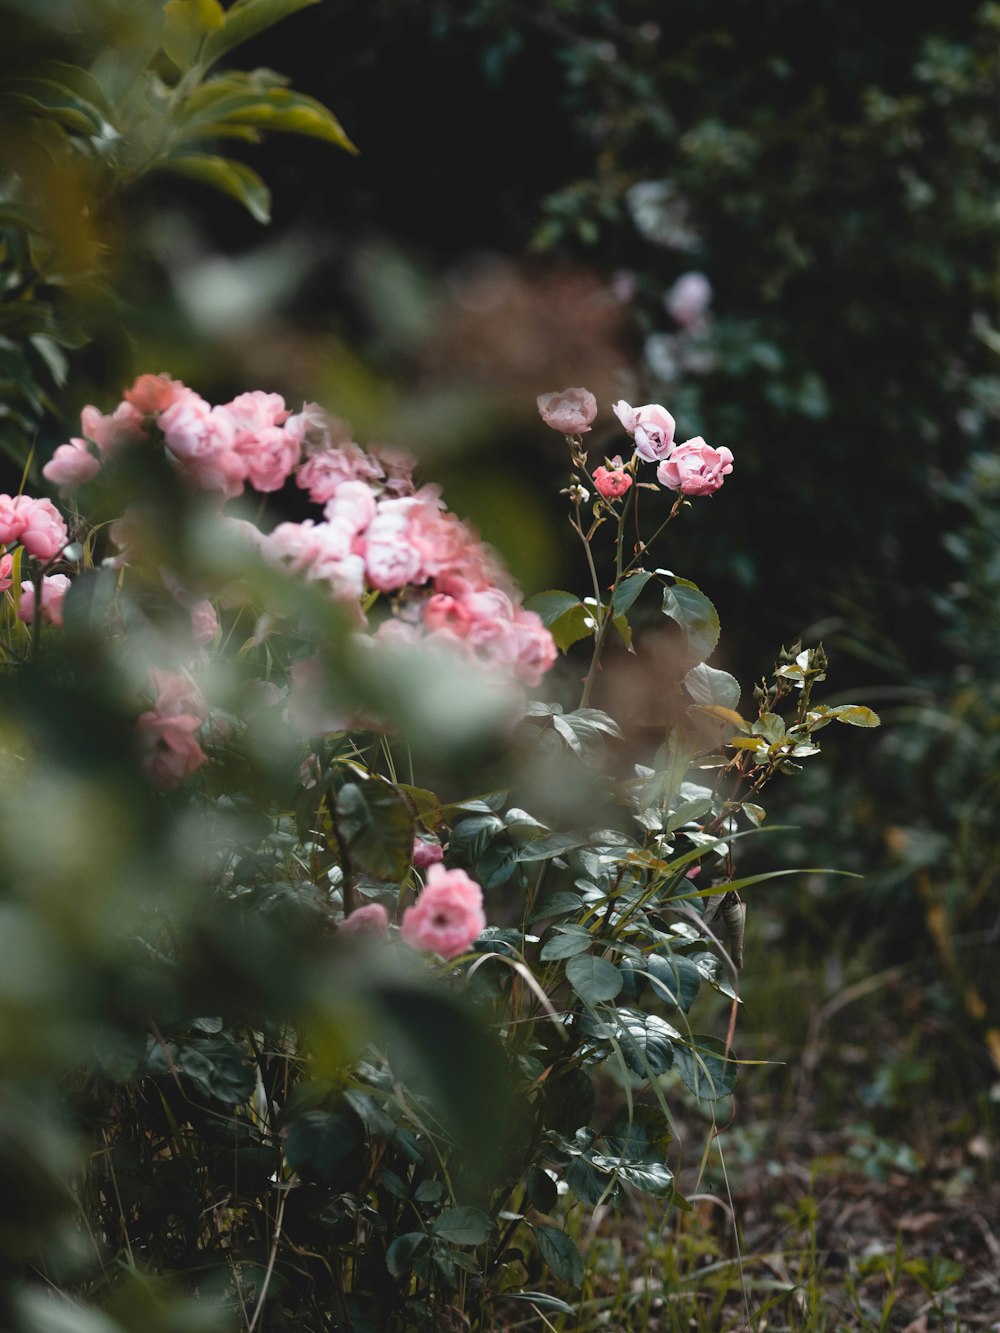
(370, 923)
(447, 916)
(651, 427)
(695, 468)
(611, 484)
(426, 853)
(569, 411)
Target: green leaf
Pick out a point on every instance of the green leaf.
(855, 715)
(186, 23)
(405, 1250)
(627, 592)
(61, 104)
(540, 1298)
(463, 1226)
(593, 979)
(293, 113)
(320, 1143)
(565, 616)
(218, 1067)
(560, 1253)
(686, 605)
(540, 1189)
(651, 1177)
(565, 946)
(244, 20)
(225, 174)
(471, 837)
(711, 688)
(373, 822)
(551, 605)
(704, 1068)
(676, 979)
(647, 1041)
(553, 844)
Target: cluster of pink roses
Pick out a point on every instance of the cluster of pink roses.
(39, 528)
(692, 468)
(446, 918)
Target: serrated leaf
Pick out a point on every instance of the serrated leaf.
(704, 1068)
(709, 687)
(225, 174)
(560, 1253)
(463, 1226)
(686, 605)
(627, 592)
(373, 822)
(594, 979)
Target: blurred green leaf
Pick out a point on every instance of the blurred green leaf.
(244, 19)
(186, 24)
(225, 174)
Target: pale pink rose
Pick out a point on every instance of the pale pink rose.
(154, 393)
(444, 612)
(168, 751)
(398, 465)
(71, 466)
(447, 916)
(202, 440)
(689, 298)
(109, 433)
(695, 468)
(269, 454)
(569, 411)
(426, 853)
(257, 410)
(392, 562)
(354, 503)
(536, 648)
(204, 622)
(611, 484)
(292, 546)
(177, 694)
(395, 632)
(323, 472)
(651, 427)
(6, 572)
(13, 518)
(54, 590)
(44, 533)
(370, 923)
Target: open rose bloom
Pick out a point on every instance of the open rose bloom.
(651, 427)
(447, 916)
(569, 411)
(695, 468)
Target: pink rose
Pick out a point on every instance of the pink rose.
(536, 648)
(109, 433)
(204, 622)
(447, 916)
(13, 518)
(695, 468)
(168, 751)
(44, 533)
(177, 694)
(426, 853)
(651, 427)
(269, 454)
(6, 572)
(611, 484)
(54, 590)
(71, 466)
(689, 298)
(154, 393)
(256, 411)
(321, 474)
(370, 923)
(202, 439)
(569, 411)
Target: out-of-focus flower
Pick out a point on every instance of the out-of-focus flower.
(154, 393)
(695, 468)
(370, 922)
(689, 298)
(54, 590)
(204, 622)
(569, 411)
(426, 853)
(6, 572)
(168, 751)
(71, 466)
(448, 915)
(651, 427)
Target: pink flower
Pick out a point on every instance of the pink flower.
(6, 570)
(321, 474)
(44, 533)
(202, 439)
(13, 518)
(689, 298)
(447, 916)
(71, 466)
(54, 589)
(204, 622)
(695, 468)
(611, 484)
(651, 427)
(256, 411)
(269, 454)
(168, 751)
(426, 853)
(154, 393)
(536, 648)
(569, 411)
(370, 923)
(177, 694)
(109, 433)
